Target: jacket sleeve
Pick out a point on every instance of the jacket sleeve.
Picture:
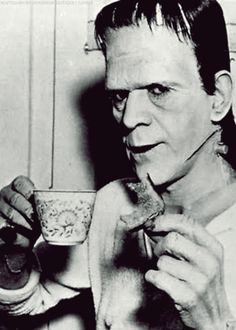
(58, 273)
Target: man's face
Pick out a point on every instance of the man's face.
(158, 98)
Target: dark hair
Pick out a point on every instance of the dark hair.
(199, 21)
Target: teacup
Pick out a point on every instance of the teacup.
(65, 216)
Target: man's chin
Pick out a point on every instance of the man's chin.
(155, 176)
(159, 177)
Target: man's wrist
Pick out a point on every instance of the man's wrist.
(15, 266)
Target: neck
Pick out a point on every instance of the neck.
(209, 173)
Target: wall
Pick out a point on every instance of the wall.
(52, 97)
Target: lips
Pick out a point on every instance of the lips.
(141, 149)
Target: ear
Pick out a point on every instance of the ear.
(222, 98)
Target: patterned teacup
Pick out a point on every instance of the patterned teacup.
(64, 215)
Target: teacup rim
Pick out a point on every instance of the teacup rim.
(66, 190)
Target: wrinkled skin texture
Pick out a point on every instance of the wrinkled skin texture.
(19, 231)
(16, 209)
(157, 99)
(165, 115)
(189, 270)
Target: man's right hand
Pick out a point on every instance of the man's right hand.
(19, 226)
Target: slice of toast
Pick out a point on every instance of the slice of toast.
(148, 204)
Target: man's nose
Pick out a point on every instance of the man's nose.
(137, 110)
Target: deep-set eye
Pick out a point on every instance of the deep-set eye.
(158, 90)
(158, 94)
(118, 99)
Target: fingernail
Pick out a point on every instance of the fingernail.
(28, 194)
(29, 212)
(17, 183)
(148, 276)
(149, 224)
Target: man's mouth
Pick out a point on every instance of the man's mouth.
(141, 149)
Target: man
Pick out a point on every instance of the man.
(168, 78)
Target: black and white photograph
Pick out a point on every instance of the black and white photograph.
(118, 165)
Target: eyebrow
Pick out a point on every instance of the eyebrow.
(146, 86)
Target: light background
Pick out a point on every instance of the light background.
(55, 124)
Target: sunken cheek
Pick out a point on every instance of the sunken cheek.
(168, 115)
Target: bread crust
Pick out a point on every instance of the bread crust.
(148, 205)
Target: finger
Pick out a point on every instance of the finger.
(178, 290)
(24, 186)
(184, 271)
(13, 216)
(2, 222)
(182, 248)
(177, 268)
(185, 226)
(18, 202)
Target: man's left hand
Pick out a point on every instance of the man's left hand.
(190, 270)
